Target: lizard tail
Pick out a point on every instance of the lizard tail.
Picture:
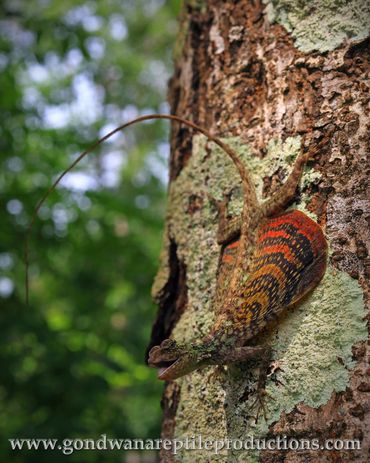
(227, 149)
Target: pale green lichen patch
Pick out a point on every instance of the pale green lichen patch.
(318, 25)
(312, 345)
(194, 229)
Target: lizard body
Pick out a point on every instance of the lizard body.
(276, 259)
(289, 253)
(270, 260)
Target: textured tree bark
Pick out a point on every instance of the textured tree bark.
(271, 78)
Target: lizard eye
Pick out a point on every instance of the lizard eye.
(168, 344)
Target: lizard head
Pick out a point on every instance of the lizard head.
(173, 360)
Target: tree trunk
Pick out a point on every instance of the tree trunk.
(271, 78)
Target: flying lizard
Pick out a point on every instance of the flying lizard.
(272, 259)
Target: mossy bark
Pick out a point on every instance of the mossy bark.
(270, 89)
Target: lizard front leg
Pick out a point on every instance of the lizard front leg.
(239, 354)
(263, 355)
(261, 394)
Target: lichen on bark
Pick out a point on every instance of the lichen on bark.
(310, 346)
(315, 26)
(241, 75)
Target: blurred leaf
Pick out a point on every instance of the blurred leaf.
(73, 362)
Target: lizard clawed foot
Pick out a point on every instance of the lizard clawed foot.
(261, 393)
(275, 366)
(220, 205)
(260, 404)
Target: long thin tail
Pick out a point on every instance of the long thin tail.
(228, 150)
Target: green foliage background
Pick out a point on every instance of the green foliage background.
(72, 363)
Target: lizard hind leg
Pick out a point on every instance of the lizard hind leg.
(279, 200)
(228, 227)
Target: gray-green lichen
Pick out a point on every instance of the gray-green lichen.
(312, 345)
(321, 25)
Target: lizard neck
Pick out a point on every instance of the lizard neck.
(224, 335)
